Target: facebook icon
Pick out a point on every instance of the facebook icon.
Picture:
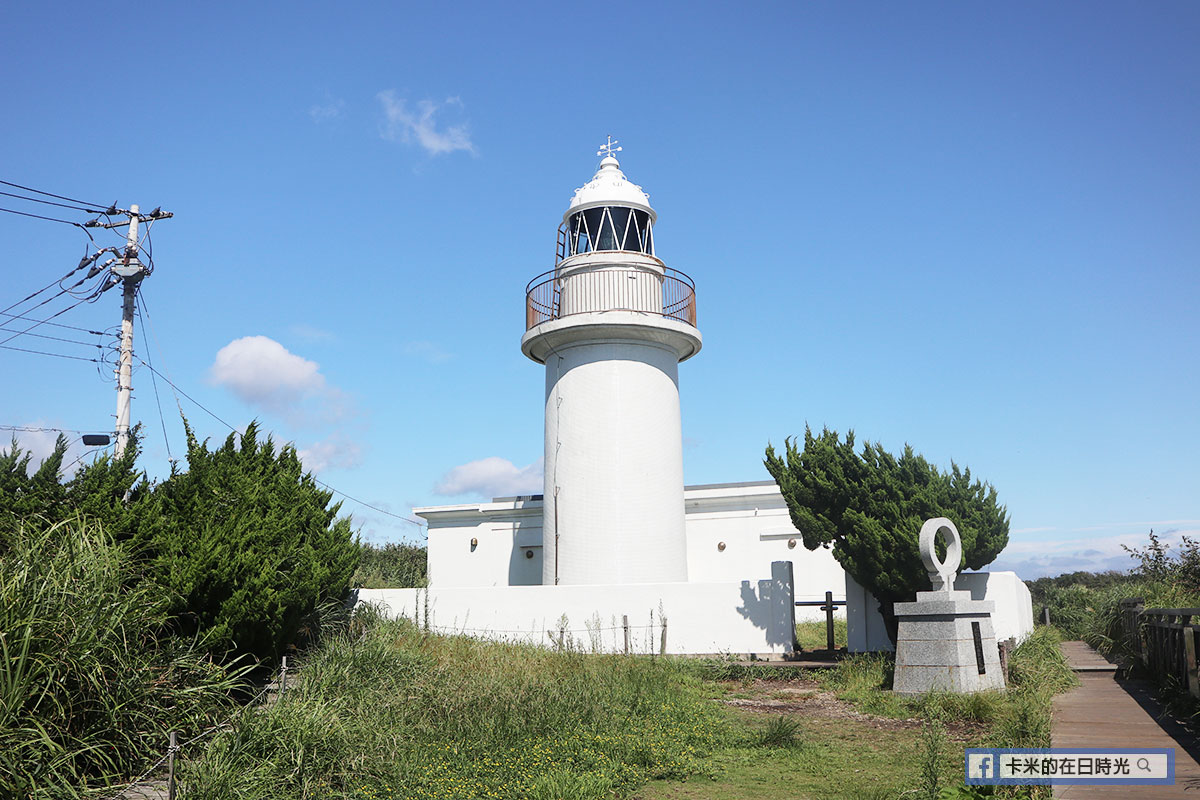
(980, 765)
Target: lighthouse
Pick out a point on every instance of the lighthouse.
(611, 322)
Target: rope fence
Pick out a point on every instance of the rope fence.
(175, 747)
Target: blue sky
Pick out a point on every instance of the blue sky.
(974, 228)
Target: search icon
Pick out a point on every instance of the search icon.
(1143, 764)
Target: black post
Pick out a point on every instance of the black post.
(829, 621)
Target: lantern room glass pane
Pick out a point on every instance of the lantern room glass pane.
(593, 218)
(609, 228)
(578, 235)
(638, 224)
(608, 239)
(620, 221)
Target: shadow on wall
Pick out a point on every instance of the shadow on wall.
(525, 562)
(772, 607)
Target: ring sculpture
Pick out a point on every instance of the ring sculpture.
(941, 573)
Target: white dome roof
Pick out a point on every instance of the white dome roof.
(609, 187)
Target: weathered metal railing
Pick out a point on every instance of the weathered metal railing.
(660, 291)
(1164, 640)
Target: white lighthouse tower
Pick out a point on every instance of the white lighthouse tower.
(611, 322)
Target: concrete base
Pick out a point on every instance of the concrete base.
(938, 649)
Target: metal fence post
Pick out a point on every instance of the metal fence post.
(283, 677)
(174, 739)
(625, 625)
(828, 608)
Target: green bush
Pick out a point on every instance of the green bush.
(870, 507)
(88, 690)
(247, 544)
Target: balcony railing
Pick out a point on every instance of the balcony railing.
(661, 291)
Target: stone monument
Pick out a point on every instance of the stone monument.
(945, 640)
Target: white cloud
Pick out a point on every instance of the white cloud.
(262, 372)
(404, 125)
(336, 451)
(491, 477)
(1038, 556)
(265, 374)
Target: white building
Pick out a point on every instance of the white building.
(617, 554)
(732, 531)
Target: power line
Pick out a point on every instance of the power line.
(55, 338)
(153, 380)
(368, 505)
(52, 203)
(188, 396)
(53, 324)
(35, 429)
(83, 262)
(47, 353)
(317, 480)
(43, 322)
(49, 194)
(85, 454)
(49, 219)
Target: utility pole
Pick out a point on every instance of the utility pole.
(131, 272)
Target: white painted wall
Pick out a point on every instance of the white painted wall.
(1012, 619)
(865, 631)
(746, 617)
(613, 464)
(504, 532)
(750, 518)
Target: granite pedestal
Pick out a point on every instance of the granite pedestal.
(945, 640)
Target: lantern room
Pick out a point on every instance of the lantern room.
(608, 213)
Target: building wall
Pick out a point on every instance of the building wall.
(1012, 619)
(729, 617)
(751, 520)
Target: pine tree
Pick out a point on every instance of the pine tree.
(247, 543)
(37, 498)
(870, 507)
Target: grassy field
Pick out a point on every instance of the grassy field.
(814, 635)
(384, 711)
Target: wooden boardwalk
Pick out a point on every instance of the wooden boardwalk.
(1108, 710)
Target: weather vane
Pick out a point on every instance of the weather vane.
(608, 149)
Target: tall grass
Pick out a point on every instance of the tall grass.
(393, 565)
(1019, 717)
(386, 710)
(88, 690)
